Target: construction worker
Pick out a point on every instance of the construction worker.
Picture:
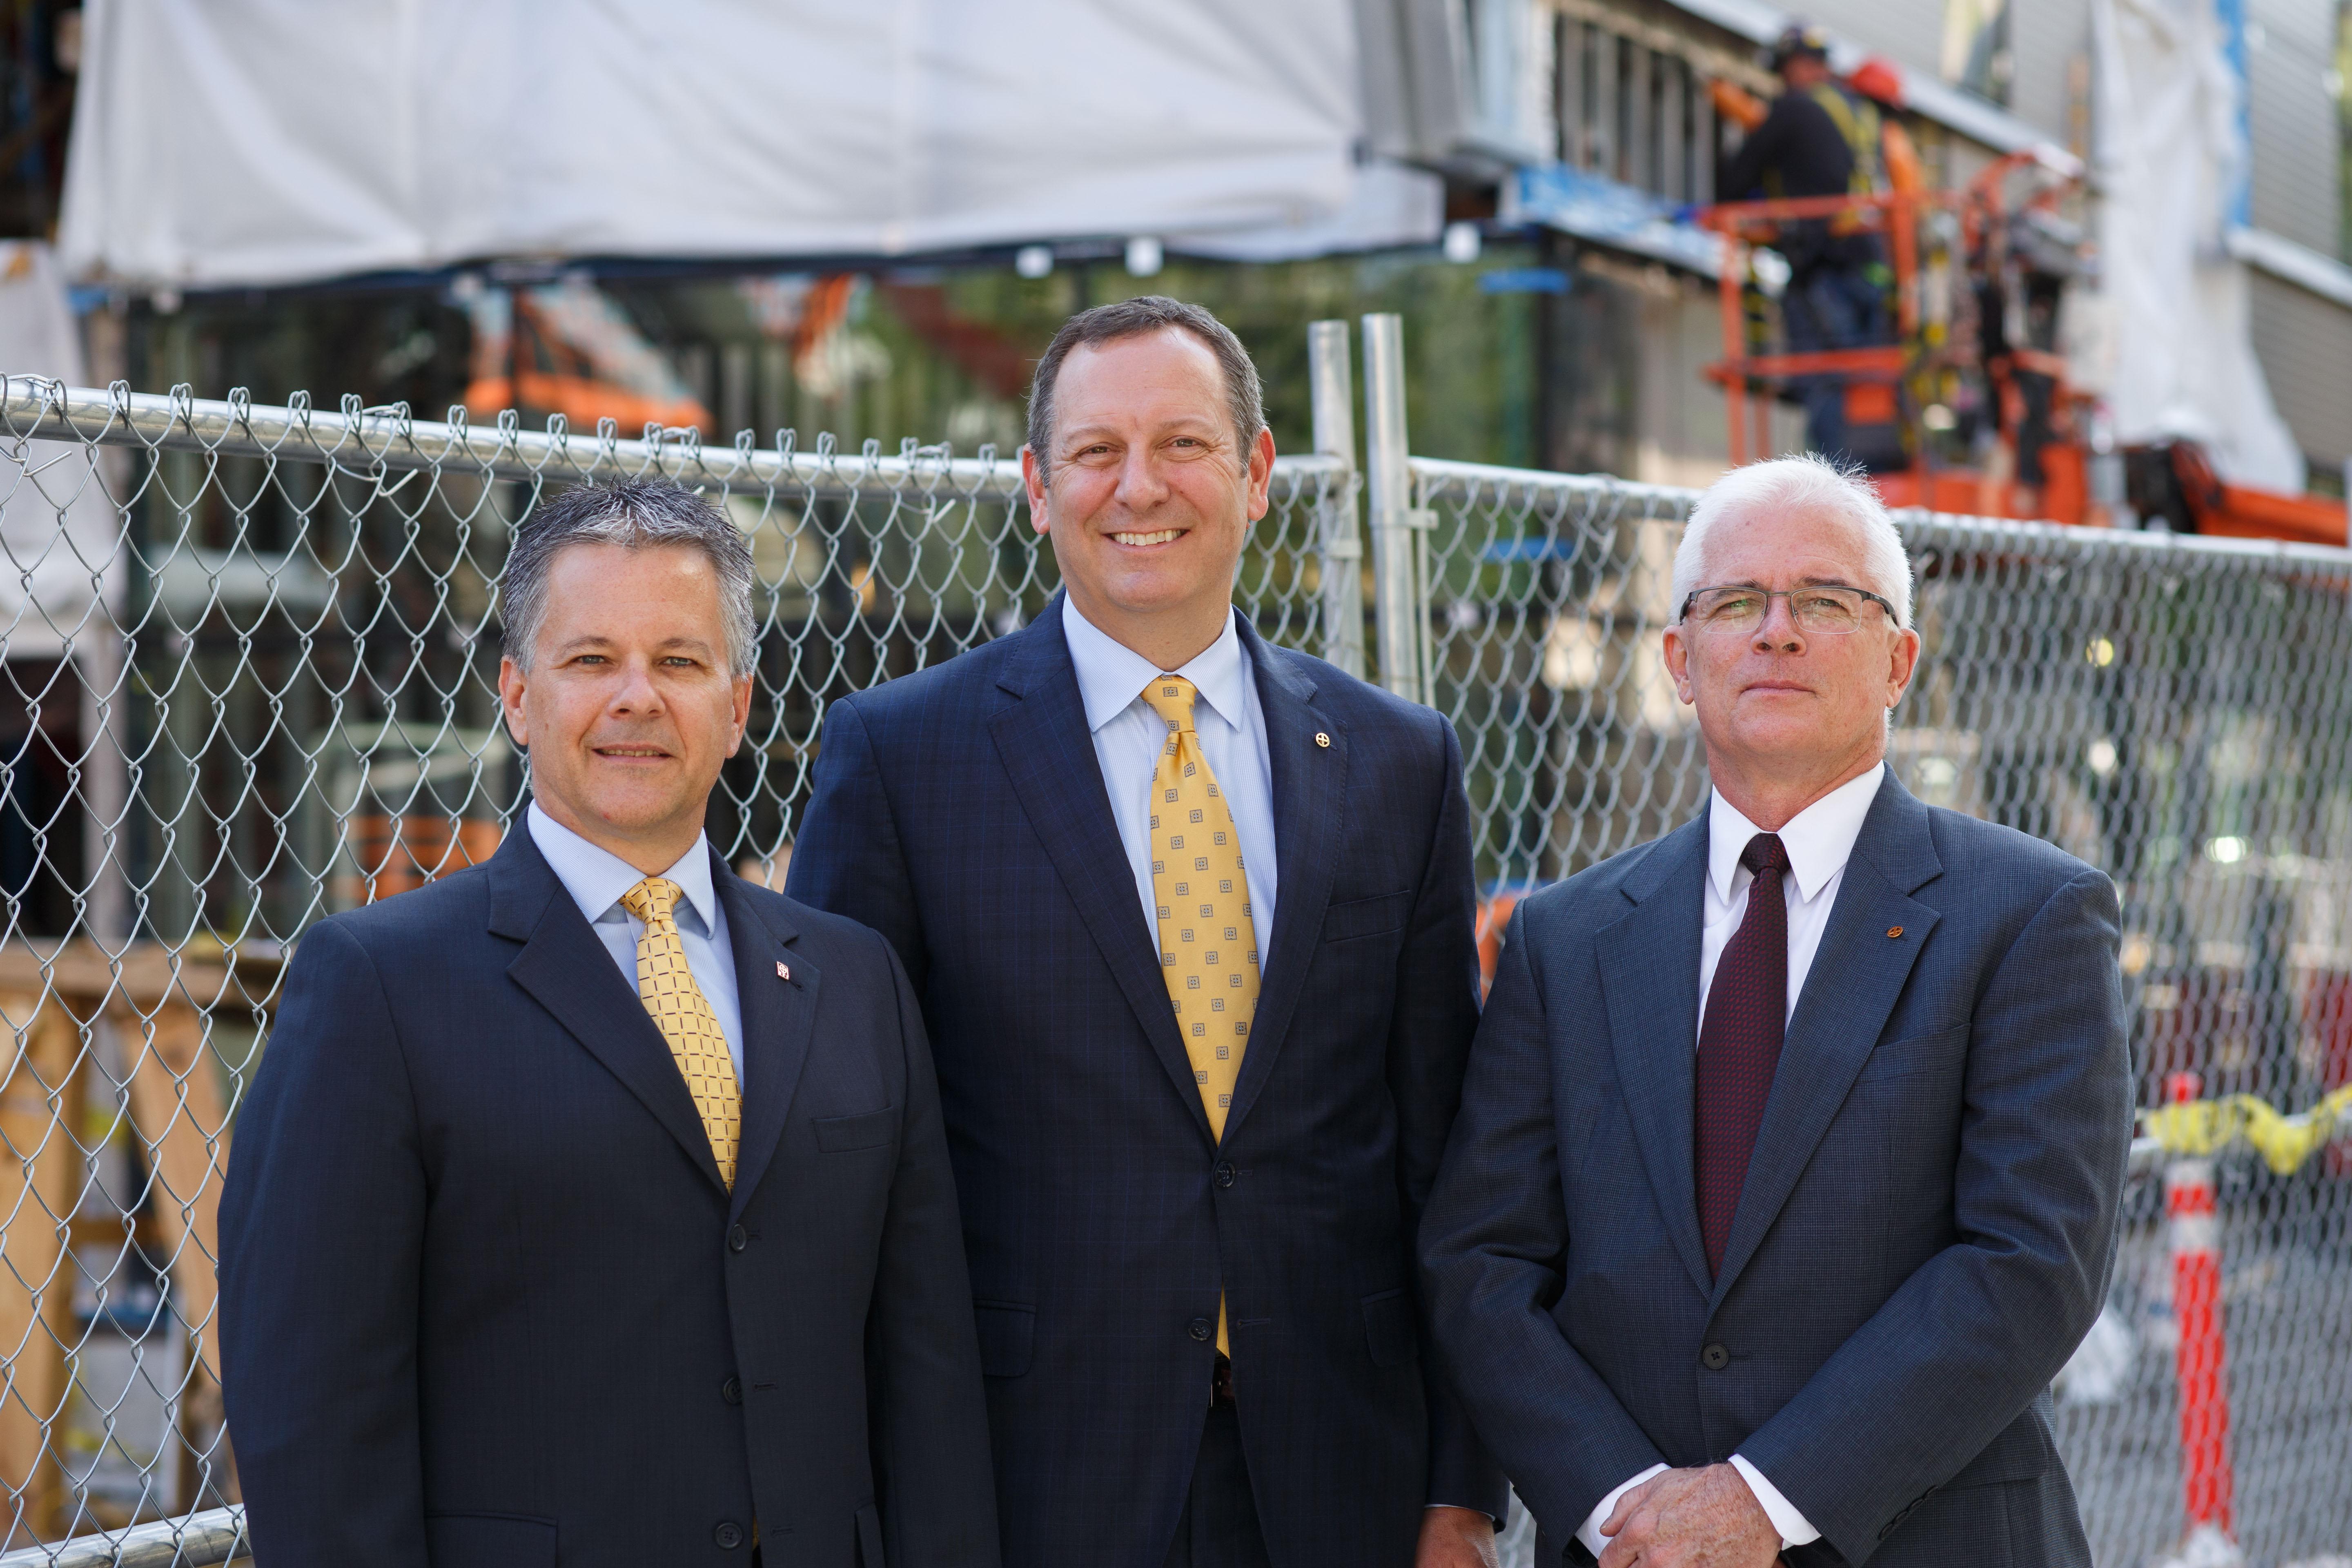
(1818, 140)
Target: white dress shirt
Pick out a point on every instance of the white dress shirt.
(1820, 840)
(1129, 736)
(596, 877)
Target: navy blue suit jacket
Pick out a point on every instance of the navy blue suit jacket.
(961, 811)
(1925, 1233)
(486, 1302)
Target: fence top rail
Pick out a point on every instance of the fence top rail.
(1440, 478)
(191, 1541)
(369, 441)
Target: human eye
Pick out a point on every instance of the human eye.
(1730, 604)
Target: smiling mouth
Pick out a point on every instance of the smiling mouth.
(1145, 541)
(634, 752)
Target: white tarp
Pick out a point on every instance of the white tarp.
(2171, 151)
(260, 141)
(60, 537)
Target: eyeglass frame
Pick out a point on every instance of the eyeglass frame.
(1892, 618)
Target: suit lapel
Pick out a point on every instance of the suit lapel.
(1049, 757)
(1310, 786)
(565, 968)
(778, 1016)
(1857, 976)
(1648, 979)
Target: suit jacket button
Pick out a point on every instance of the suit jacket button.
(733, 1392)
(1714, 1358)
(1225, 1173)
(729, 1535)
(1202, 1329)
(737, 1239)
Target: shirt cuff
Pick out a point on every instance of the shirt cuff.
(1795, 1528)
(1589, 1531)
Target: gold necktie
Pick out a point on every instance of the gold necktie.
(1208, 946)
(665, 985)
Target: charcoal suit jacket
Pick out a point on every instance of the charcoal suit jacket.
(961, 811)
(488, 1304)
(1925, 1233)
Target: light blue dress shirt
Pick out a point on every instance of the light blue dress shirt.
(1129, 735)
(596, 877)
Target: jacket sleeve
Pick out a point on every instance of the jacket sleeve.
(1980, 1330)
(929, 1416)
(322, 1226)
(1437, 1012)
(1494, 1245)
(845, 854)
(1742, 176)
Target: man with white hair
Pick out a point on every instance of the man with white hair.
(1788, 1166)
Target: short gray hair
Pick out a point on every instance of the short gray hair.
(1133, 319)
(636, 514)
(1805, 482)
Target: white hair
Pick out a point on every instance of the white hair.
(1780, 486)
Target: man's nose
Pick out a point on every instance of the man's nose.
(637, 692)
(1779, 630)
(1140, 482)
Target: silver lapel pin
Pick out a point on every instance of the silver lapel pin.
(783, 970)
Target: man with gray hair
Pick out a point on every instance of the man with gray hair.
(592, 1205)
(1788, 1164)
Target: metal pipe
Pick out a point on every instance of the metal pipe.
(1331, 388)
(1397, 605)
(378, 440)
(193, 1541)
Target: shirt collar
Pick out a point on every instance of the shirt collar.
(1112, 675)
(1819, 839)
(596, 877)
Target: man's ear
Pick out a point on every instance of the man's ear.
(1032, 479)
(510, 691)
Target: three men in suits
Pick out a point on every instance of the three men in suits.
(1788, 1169)
(593, 1205)
(1191, 920)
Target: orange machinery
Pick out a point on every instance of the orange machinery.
(1901, 383)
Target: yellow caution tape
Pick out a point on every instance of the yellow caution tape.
(2202, 1127)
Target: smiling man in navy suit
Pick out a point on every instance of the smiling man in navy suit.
(1190, 917)
(1787, 1171)
(593, 1206)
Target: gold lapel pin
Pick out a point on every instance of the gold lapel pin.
(1322, 739)
(783, 972)
(1892, 932)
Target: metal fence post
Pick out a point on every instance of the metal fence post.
(1331, 387)
(1398, 597)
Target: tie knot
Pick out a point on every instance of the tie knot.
(1765, 852)
(1171, 697)
(653, 899)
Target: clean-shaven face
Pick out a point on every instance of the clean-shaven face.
(629, 708)
(1151, 494)
(1779, 695)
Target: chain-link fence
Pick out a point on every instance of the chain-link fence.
(258, 649)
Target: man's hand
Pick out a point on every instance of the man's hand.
(1689, 1519)
(1458, 1538)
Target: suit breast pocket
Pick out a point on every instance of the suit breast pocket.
(1360, 917)
(848, 1134)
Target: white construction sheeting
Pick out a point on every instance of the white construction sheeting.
(60, 554)
(2171, 151)
(267, 141)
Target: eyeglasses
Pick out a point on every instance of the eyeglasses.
(1826, 611)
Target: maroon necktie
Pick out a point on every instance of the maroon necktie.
(1740, 1045)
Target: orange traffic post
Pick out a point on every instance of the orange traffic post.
(2194, 1220)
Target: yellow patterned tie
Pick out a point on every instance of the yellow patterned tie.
(665, 985)
(1208, 946)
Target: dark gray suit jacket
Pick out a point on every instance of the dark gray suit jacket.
(1927, 1224)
